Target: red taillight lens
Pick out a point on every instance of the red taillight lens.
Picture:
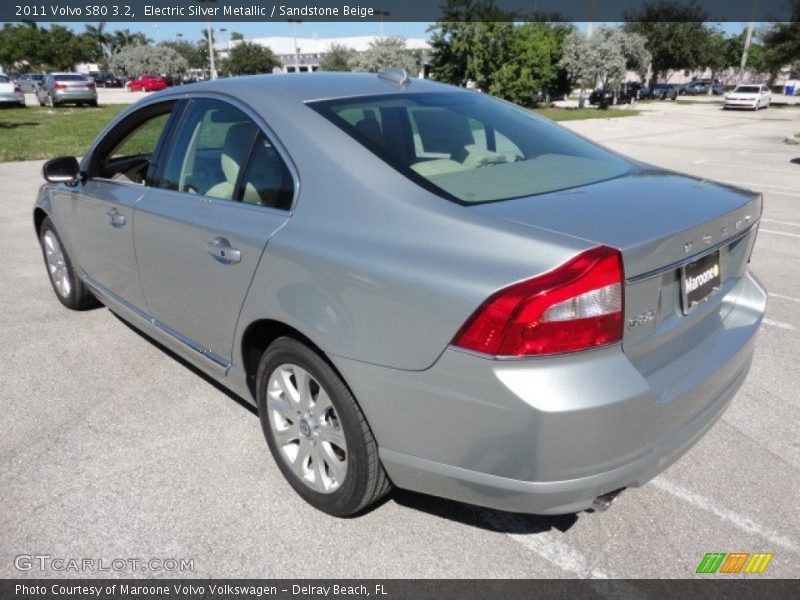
(574, 307)
(17, 89)
(60, 86)
(90, 85)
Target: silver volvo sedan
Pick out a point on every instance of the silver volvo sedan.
(417, 285)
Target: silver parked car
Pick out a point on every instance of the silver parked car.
(62, 88)
(10, 92)
(417, 285)
(30, 81)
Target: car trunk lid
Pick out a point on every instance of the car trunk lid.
(661, 222)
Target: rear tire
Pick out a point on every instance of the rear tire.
(316, 431)
(69, 288)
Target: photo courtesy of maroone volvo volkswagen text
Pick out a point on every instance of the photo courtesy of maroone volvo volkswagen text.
(417, 285)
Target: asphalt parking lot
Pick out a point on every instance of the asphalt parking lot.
(112, 448)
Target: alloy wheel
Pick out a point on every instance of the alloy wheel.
(56, 264)
(306, 428)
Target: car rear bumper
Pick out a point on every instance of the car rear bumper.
(75, 96)
(549, 435)
(12, 98)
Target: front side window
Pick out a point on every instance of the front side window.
(471, 148)
(126, 153)
(219, 152)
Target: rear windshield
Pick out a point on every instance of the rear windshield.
(470, 147)
(69, 77)
(4, 79)
(747, 89)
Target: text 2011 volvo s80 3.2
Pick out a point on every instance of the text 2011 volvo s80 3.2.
(417, 285)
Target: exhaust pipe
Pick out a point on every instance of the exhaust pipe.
(602, 502)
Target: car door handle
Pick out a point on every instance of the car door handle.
(221, 249)
(116, 218)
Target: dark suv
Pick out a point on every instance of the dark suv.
(108, 80)
(700, 87)
(627, 93)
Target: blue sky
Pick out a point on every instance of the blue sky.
(193, 31)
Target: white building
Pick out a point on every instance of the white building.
(310, 51)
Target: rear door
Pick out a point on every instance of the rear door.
(223, 191)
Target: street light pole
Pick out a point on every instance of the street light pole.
(747, 39)
(295, 23)
(209, 37)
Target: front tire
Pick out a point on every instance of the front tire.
(316, 431)
(69, 288)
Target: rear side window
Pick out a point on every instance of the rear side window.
(219, 152)
(470, 147)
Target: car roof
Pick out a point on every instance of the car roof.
(305, 87)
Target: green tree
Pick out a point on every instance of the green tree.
(22, 46)
(101, 39)
(386, 53)
(196, 55)
(535, 51)
(236, 36)
(676, 36)
(470, 42)
(781, 46)
(338, 58)
(135, 60)
(247, 58)
(603, 58)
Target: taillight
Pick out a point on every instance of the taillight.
(90, 85)
(17, 89)
(574, 307)
(60, 86)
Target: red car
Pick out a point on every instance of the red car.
(147, 83)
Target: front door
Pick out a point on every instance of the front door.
(100, 210)
(223, 192)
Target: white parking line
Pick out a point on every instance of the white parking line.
(789, 223)
(545, 544)
(779, 324)
(794, 235)
(782, 297)
(739, 521)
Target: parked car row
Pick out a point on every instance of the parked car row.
(55, 89)
(752, 96)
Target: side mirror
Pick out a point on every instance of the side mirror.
(64, 169)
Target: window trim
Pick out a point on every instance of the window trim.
(123, 128)
(262, 127)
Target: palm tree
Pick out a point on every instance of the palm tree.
(101, 38)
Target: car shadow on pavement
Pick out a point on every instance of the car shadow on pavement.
(235, 397)
(483, 518)
(9, 125)
(466, 514)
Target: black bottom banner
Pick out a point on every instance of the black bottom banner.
(712, 588)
